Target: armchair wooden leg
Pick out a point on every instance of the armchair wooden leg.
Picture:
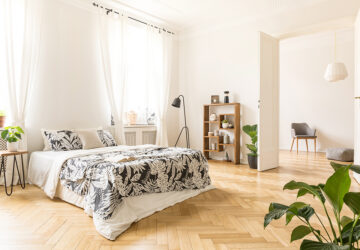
(292, 144)
(307, 147)
(315, 145)
(297, 145)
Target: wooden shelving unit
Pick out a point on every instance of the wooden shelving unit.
(235, 130)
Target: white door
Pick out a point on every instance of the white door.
(357, 93)
(268, 128)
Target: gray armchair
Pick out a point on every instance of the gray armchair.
(302, 131)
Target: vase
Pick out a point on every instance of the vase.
(225, 125)
(12, 146)
(252, 161)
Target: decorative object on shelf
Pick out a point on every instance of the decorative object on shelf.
(217, 132)
(344, 231)
(177, 103)
(251, 130)
(226, 139)
(213, 117)
(225, 123)
(12, 135)
(230, 125)
(215, 99)
(226, 97)
(131, 117)
(213, 146)
(210, 133)
(2, 118)
(335, 71)
(151, 119)
(227, 158)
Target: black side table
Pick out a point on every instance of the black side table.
(4, 154)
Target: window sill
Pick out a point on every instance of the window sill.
(139, 126)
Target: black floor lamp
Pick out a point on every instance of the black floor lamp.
(177, 103)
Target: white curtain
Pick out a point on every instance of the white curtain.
(162, 84)
(113, 47)
(21, 32)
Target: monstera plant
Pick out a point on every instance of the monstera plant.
(344, 231)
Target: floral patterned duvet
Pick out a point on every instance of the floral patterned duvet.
(104, 179)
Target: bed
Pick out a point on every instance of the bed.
(122, 184)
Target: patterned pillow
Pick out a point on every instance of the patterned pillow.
(62, 140)
(106, 138)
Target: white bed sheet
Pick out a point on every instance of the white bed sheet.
(131, 209)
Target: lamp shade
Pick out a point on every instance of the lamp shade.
(335, 72)
(176, 103)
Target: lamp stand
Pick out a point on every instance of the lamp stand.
(185, 128)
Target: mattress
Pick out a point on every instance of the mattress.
(41, 173)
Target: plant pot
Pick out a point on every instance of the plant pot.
(12, 146)
(2, 121)
(225, 125)
(252, 161)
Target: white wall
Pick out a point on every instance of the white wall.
(70, 92)
(213, 62)
(224, 56)
(306, 97)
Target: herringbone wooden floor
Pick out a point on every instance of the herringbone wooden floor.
(229, 217)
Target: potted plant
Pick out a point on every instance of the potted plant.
(12, 135)
(251, 130)
(2, 118)
(343, 232)
(225, 123)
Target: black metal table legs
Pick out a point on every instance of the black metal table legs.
(15, 163)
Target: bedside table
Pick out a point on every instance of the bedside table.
(4, 154)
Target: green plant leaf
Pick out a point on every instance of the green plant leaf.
(303, 192)
(337, 186)
(314, 245)
(345, 220)
(18, 135)
(293, 210)
(300, 232)
(20, 130)
(306, 212)
(4, 134)
(276, 211)
(254, 139)
(345, 233)
(352, 200)
(251, 147)
(354, 168)
(305, 188)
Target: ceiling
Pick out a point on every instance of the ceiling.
(187, 14)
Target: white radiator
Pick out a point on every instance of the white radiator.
(140, 134)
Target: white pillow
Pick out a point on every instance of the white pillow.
(89, 138)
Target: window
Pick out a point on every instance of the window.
(16, 26)
(143, 67)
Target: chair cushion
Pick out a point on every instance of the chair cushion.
(340, 154)
(307, 136)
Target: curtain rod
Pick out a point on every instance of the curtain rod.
(108, 10)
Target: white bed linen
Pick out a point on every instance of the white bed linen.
(44, 170)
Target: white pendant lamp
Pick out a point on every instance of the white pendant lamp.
(335, 71)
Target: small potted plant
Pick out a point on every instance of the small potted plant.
(2, 118)
(251, 130)
(225, 123)
(12, 135)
